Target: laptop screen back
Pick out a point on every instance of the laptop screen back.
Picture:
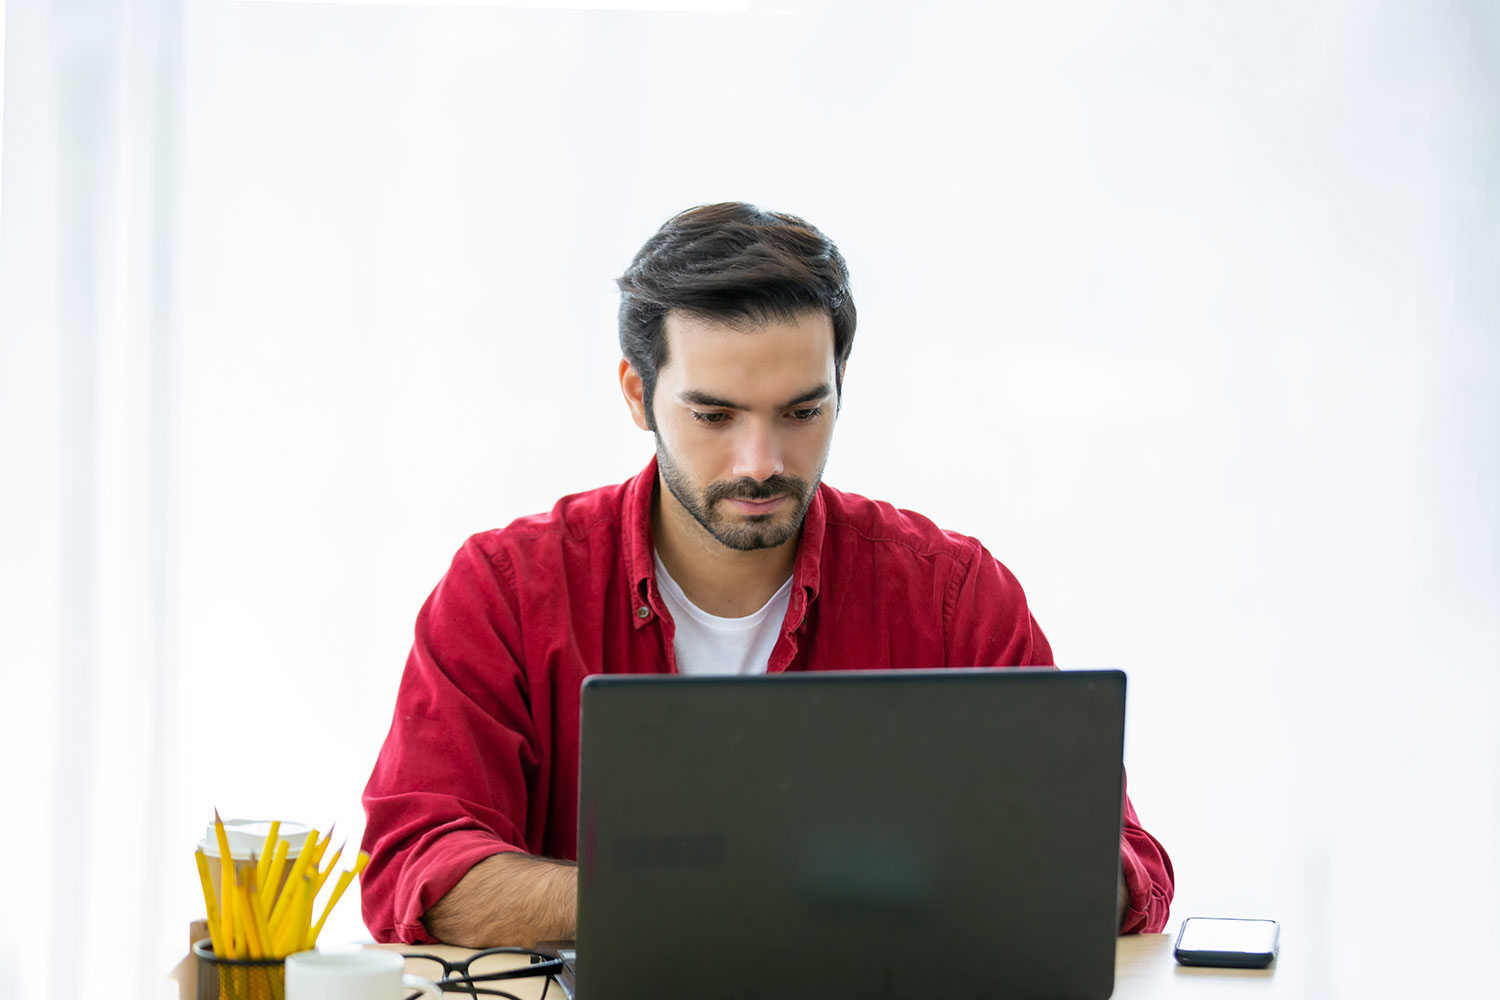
(865, 834)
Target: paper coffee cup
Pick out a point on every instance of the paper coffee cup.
(366, 974)
(247, 837)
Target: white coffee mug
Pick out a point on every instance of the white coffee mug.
(368, 974)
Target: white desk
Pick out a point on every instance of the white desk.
(1144, 970)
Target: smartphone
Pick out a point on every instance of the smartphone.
(1228, 943)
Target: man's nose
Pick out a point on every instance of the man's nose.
(758, 453)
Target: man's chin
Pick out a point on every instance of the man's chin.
(758, 531)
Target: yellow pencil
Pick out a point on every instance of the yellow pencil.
(243, 918)
(304, 916)
(226, 878)
(210, 904)
(239, 944)
(228, 931)
(338, 890)
(319, 849)
(294, 928)
(285, 913)
(313, 851)
(305, 858)
(271, 884)
(257, 913)
(323, 844)
(280, 931)
(309, 933)
(323, 875)
(268, 849)
(299, 868)
(226, 914)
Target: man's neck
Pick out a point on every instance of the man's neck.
(720, 580)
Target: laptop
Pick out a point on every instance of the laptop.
(850, 834)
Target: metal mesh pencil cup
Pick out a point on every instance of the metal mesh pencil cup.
(238, 978)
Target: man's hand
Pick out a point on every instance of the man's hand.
(1122, 901)
(508, 899)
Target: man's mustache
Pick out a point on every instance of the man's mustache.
(757, 489)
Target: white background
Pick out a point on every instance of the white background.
(1189, 311)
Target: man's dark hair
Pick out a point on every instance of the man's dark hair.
(733, 263)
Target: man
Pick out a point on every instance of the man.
(725, 555)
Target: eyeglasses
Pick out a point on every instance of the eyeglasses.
(462, 976)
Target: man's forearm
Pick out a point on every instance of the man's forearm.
(508, 899)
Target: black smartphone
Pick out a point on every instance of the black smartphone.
(1228, 943)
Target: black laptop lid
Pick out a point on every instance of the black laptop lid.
(855, 834)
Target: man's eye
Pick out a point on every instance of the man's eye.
(709, 417)
(807, 414)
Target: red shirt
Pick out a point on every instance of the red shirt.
(482, 755)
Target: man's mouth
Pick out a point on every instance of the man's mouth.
(753, 507)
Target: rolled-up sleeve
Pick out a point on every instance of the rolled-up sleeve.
(1148, 877)
(450, 787)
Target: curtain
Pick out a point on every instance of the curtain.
(85, 278)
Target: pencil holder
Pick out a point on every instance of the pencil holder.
(238, 978)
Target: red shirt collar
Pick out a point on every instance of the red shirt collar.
(640, 560)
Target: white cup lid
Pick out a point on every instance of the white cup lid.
(248, 836)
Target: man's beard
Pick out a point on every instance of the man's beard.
(749, 532)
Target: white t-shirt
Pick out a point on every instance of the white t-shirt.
(706, 644)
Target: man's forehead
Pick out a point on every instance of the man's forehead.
(683, 322)
(805, 338)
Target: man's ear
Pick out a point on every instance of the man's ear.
(634, 391)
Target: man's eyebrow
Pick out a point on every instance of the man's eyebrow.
(693, 397)
(816, 392)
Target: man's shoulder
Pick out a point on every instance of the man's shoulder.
(576, 518)
(852, 519)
